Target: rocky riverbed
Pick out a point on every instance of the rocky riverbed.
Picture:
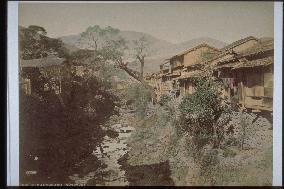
(108, 152)
(145, 152)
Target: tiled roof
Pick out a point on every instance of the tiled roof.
(195, 73)
(254, 63)
(239, 42)
(259, 48)
(42, 62)
(194, 48)
(247, 63)
(229, 65)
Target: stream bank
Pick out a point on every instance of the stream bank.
(102, 165)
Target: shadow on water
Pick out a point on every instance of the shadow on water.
(158, 174)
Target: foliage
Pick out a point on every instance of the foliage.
(209, 166)
(164, 99)
(244, 125)
(207, 55)
(141, 47)
(81, 55)
(228, 152)
(201, 111)
(139, 96)
(37, 29)
(52, 132)
(35, 44)
(141, 50)
(100, 31)
(110, 47)
(98, 37)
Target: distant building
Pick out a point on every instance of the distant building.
(31, 71)
(248, 76)
(230, 51)
(245, 67)
(191, 66)
(177, 71)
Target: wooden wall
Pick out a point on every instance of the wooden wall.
(257, 91)
(194, 56)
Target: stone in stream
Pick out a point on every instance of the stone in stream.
(112, 134)
(111, 149)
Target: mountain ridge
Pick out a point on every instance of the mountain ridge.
(160, 49)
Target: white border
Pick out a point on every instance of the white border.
(277, 99)
(12, 97)
(106, 2)
(13, 90)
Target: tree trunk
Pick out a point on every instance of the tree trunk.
(136, 75)
(142, 67)
(141, 60)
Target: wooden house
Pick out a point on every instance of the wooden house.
(189, 66)
(32, 70)
(248, 76)
(177, 72)
(166, 84)
(229, 51)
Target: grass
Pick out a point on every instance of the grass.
(156, 140)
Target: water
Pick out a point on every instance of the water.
(108, 152)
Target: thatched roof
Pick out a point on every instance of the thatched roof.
(42, 62)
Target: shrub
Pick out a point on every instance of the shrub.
(200, 113)
(139, 96)
(228, 152)
(164, 99)
(62, 136)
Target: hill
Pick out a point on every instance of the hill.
(159, 49)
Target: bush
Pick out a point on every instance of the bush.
(200, 113)
(228, 153)
(164, 99)
(139, 97)
(62, 136)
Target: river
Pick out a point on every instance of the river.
(110, 173)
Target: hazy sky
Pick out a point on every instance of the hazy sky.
(172, 21)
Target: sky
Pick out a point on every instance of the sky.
(172, 21)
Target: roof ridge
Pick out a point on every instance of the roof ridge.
(238, 42)
(195, 47)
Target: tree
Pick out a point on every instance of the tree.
(37, 29)
(110, 47)
(97, 37)
(33, 43)
(141, 49)
(201, 113)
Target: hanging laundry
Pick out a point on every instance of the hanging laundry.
(225, 82)
(231, 83)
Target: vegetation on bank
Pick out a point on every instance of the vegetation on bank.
(58, 131)
(204, 141)
(61, 136)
